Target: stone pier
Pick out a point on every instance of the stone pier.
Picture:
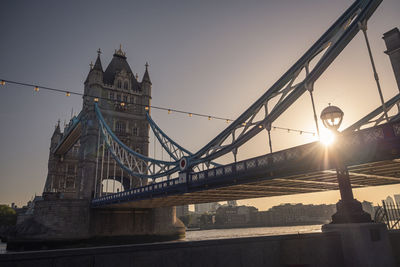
(65, 222)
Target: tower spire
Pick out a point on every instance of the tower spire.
(97, 64)
(119, 52)
(146, 76)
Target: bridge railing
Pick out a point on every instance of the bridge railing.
(138, 192)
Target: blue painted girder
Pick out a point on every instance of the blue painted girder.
(375, 146)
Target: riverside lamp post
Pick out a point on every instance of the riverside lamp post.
(348, 209)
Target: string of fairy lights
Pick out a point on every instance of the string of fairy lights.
(68, 93)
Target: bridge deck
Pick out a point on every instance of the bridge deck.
(372, 156)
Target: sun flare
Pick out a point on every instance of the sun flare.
(326, 137)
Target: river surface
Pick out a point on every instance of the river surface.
(238, 232)
(3, 247)
(247, 232)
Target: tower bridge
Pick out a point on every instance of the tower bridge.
(108, 142)
(372, 157)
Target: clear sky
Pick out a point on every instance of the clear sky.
(213, 57)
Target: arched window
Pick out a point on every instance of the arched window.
(119, 84)
(120, 127)
(126, 85)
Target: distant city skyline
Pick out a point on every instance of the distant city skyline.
(206, 57)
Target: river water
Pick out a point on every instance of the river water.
(2, 247)
(247, 232)
(238, 232)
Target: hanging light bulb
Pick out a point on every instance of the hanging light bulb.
(96, 99)
(36, 89)
(288, 130)
(227, 121)
(3, 82)
(146, 108)
(244, 123)
(190, 114)
(301, 132)
(209, 118)
(169, 111)
(122, 104)
(260, 126)
(68, 94)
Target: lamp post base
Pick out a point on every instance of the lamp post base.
(350, 212)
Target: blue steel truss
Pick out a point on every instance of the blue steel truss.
(131, 161)
(377, 116)
(173, 149)
(290, 86)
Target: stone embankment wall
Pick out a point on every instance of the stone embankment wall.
(318, 249)
(322, 249)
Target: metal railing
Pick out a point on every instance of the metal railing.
(389, 214)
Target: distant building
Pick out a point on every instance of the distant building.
(296, 214)
(236, 216)
(182, 210)
(389, 200)
(368, 207)
(397, 198)
(206, 207)
(232, 203)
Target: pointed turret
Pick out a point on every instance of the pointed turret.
(146, 83)
(57, 129)
(146, 76)
(97, 64)
(56, 137)
(96, 71)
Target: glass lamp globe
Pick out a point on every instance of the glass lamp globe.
(332, 117)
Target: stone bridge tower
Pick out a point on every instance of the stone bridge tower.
(65, 212)
(122, 100)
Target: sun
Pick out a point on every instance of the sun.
(326, 137)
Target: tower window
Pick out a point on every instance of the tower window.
(119, 84)
(133, 101)
(71, 169)
(70, 182)
(120, 127)
(135, 131)
(126, 85)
